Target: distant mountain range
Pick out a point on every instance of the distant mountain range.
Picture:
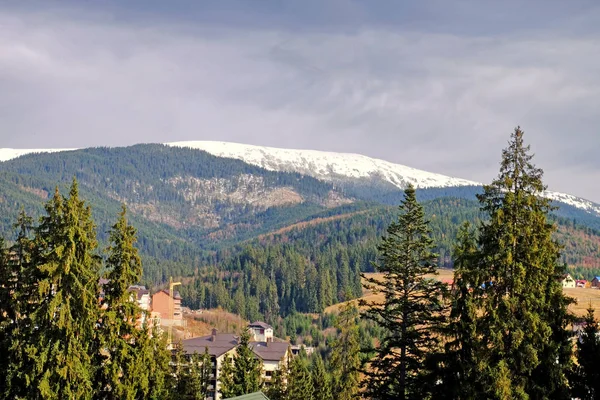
(341, 168)
(195, 202)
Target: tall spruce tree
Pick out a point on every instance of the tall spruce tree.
(453, 370)
(60, 338)
(16, 292)
(320, 379)
(245, 375)
(119, 337)
(586, 382)
(277, 389)
(227, 386)
(345, 354)
(523, 347)
(299, 385)
(411, 311)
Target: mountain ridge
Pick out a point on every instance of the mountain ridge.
(331, 167)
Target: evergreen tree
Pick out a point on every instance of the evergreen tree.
(523, 347)
(118, 376)
(456, 364)
(299, 386)
(205, 372)
(155, 359)
(16, 292)
(320, 378)
(180, 373)
(411, 311)
(247, 368)
(345, 354)
(277, 389)
(244, 374)
(60, 338)
(228, 388)
(586, 382)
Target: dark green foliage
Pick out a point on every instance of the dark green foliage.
(228, 387)
(56, 341)
(457, 364)
(245, 375)
(345, 359)
(277, 387)
(299, 384)
(412, 308)
(321, 379)
(60, 337)
(586, 379)
(191, 374)
(120, 371)
(520, 338)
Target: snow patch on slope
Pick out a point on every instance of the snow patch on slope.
(326, 165)
(9, 154)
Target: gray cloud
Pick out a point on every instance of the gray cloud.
(419, 87)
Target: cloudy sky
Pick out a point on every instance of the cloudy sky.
(433, 84)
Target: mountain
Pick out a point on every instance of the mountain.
(345, 168)
(258, 241)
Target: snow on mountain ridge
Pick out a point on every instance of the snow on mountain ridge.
(326, 165)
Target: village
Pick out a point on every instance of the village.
(163, 311)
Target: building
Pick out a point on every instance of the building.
(273, 352)
(141, 295)
(261, 332)
(568, 281)
(219, 346)
(581, 283)
(162, 303)
(596, 282)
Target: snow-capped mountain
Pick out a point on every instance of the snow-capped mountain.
(326, 166)
(330, 166)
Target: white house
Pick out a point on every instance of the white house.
(568, 281)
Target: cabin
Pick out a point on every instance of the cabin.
(568, 281)
(596, 282)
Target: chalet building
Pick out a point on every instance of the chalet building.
(581, 283)
(596, 282)
(271, 350)
(161, 304)
(568, 281)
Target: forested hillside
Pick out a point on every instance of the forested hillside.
(256, 242)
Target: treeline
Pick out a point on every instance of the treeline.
(62, 335)
(502, 330)
(313, 266)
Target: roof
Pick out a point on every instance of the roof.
(223, 342)
(260, 324)
(140, 290)
(250, 396)
(271, 351)
(176, 295)
(597, 278)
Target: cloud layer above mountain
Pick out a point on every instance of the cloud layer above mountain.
(438, 86)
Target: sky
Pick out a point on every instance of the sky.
(433, 84)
